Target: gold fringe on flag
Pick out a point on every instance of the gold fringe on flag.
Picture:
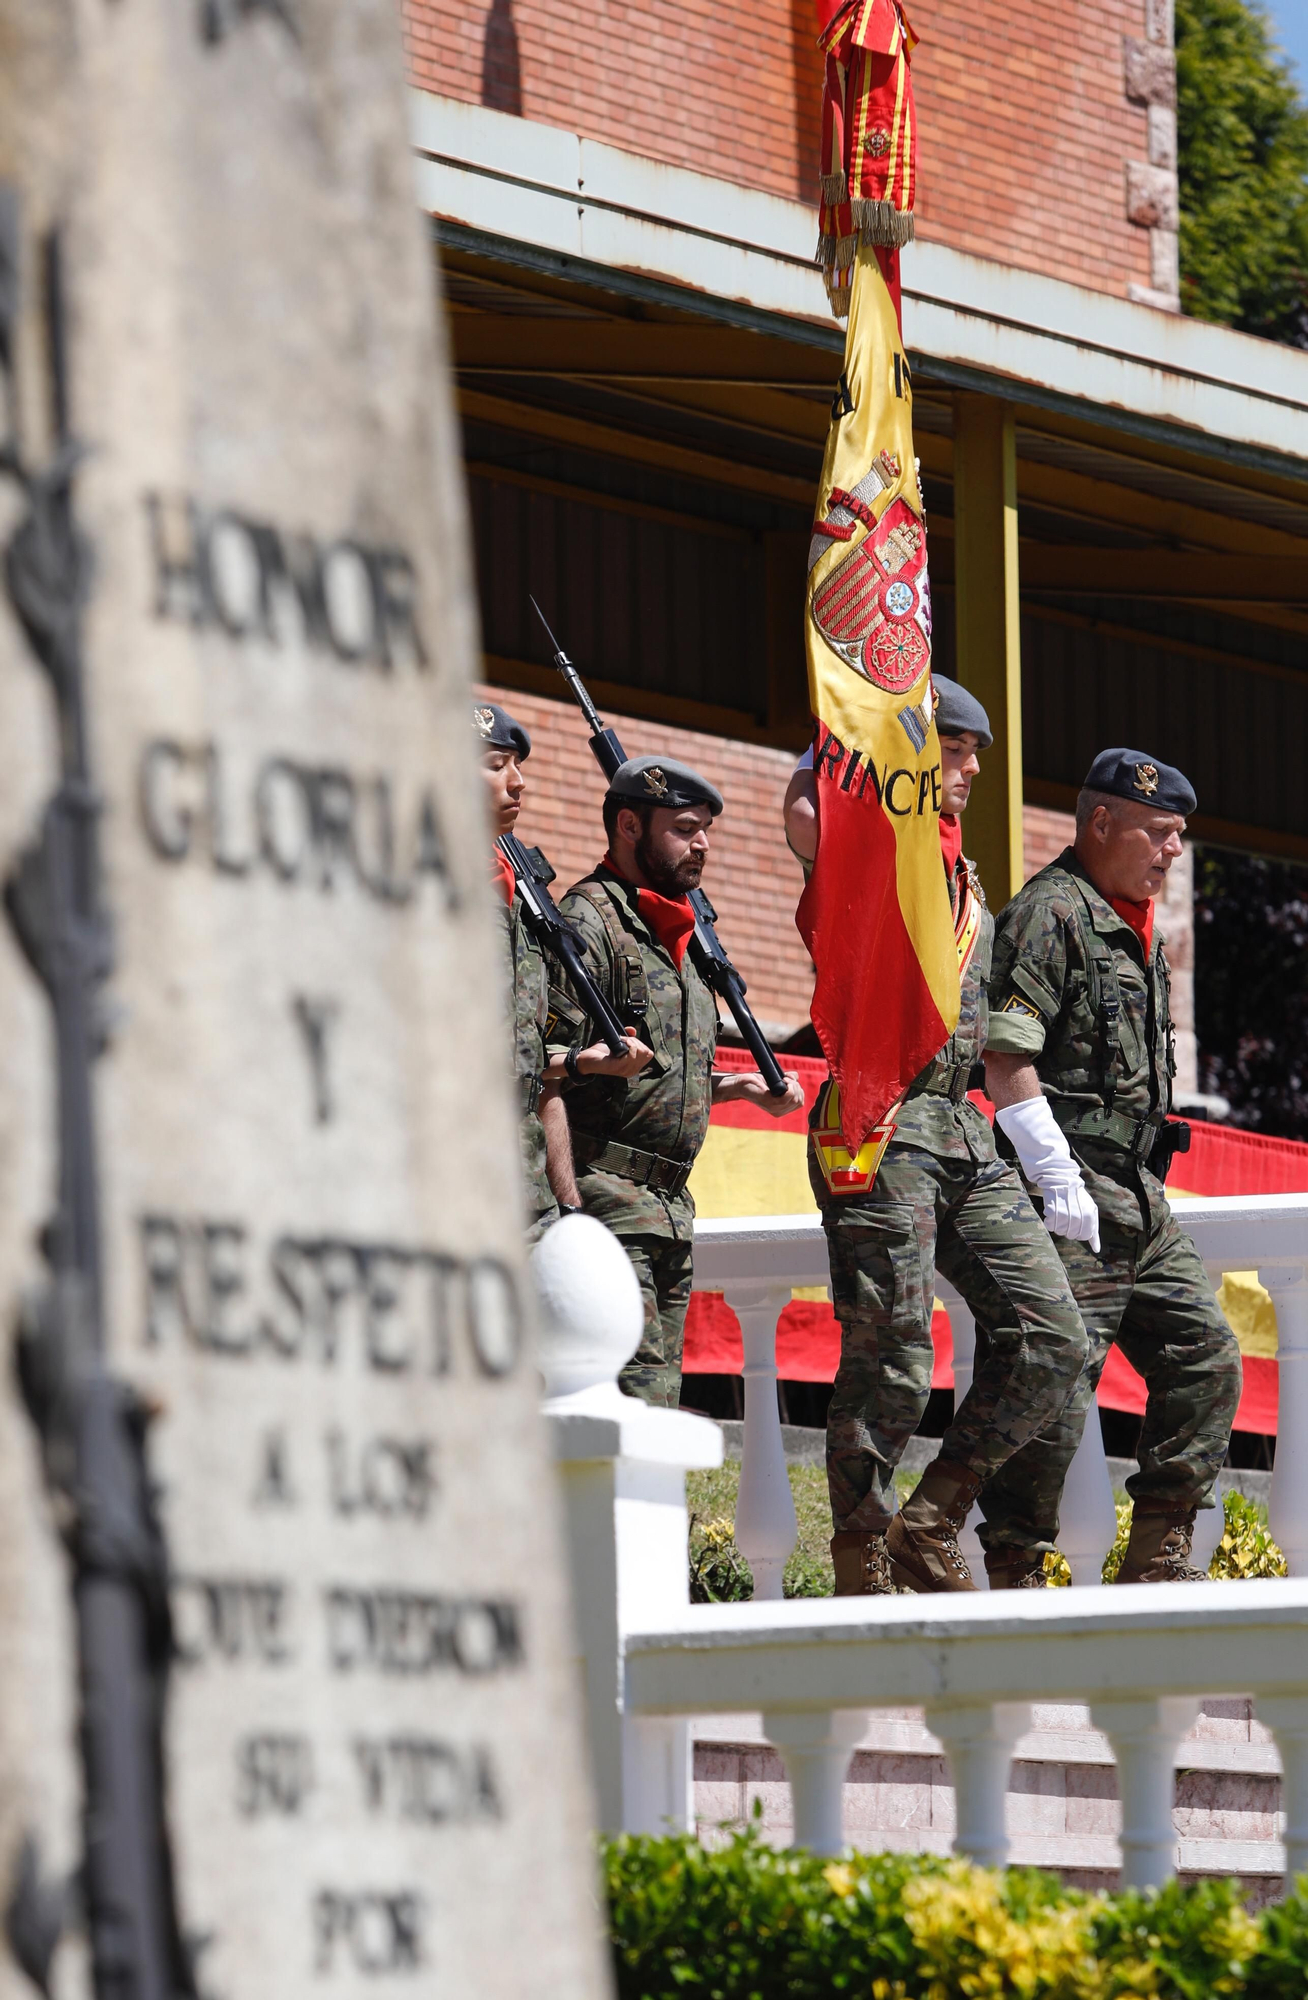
(869, 138)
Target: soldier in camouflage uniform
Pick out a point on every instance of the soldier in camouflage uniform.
(1080, 1061)
(546, 1152)
(635, 1140)
(927, 1192)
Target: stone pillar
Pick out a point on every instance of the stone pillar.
(279, 1360)
(1152, 194)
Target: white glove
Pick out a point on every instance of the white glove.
(1047, 1162)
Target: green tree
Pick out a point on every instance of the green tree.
(1251, 988)
(1243, 165)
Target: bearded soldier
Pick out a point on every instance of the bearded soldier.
(635, 1139)
(546, 1150)
(1080, 1062)
(928, 1192)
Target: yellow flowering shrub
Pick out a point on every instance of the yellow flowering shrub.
(973, 1945)
(749, 1922)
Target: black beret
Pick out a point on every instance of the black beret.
(662, 781)
(1132, 774)
(957, 710)
(496, 729)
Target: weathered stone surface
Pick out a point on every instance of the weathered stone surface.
(1150, 71)
(308, 1204)
(1151, 196)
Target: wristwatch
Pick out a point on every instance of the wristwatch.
(570, 1062)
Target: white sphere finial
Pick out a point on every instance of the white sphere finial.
(592, 1316)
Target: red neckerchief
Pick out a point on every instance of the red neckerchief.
(502, 874)
(669, 917)
(951, 842)
(1140, 916)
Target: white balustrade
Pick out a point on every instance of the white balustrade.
(757, 1262)
(623, 1471)
(760, 1259)
(963, 1327)
(1287, 1718)
(766, 1527)
(816, 1747)
(1268, 1233)
(1141, 1659)
(1144, 1734)
(978, 1737)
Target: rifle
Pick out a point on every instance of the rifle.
(555, 935)
(714, 967)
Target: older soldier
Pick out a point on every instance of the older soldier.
(1080, 1062)
(546, 1149)
(636, 1140)
(927, 1192)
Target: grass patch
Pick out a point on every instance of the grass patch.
(720, 1574)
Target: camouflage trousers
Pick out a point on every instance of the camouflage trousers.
(664, 1269)
(976, 1224)
(1151, 1295)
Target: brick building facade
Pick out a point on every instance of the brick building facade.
(644, 362)
(1047, 134)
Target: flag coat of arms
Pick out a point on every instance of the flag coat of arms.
(876, 914)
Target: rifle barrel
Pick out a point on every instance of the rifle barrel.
(714, 965)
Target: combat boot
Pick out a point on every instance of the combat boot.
(922, 1540)
(1010, 1569)
(1159, 1550)
(862, 1569)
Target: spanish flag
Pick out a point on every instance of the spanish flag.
(876, 915)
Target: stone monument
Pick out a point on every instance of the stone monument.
(284, 1668)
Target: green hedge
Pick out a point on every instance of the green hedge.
(747, 1922)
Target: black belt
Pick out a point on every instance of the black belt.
(953, 1083)
(649, 1170)
(530, 1086)
(1136, 1136)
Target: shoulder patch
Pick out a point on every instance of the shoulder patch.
(1016, 1005)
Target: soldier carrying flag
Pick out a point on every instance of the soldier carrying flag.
(903, 1167)
(927, 1191)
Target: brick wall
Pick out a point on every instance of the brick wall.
(1031, 149)
(1044, 836)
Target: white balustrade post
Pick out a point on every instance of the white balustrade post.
(622, 1468)
(978, 1739)
(816, 1748)
(1087, 1517)
(1209, 1526)
(658, 1775)
(963, 1326)
(766, 1527)
(1287, 1718)
(1144, 1735)
(1288, 1512)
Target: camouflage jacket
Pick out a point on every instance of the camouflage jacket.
(529, 973)
(661, 1116)
(1070, 987)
